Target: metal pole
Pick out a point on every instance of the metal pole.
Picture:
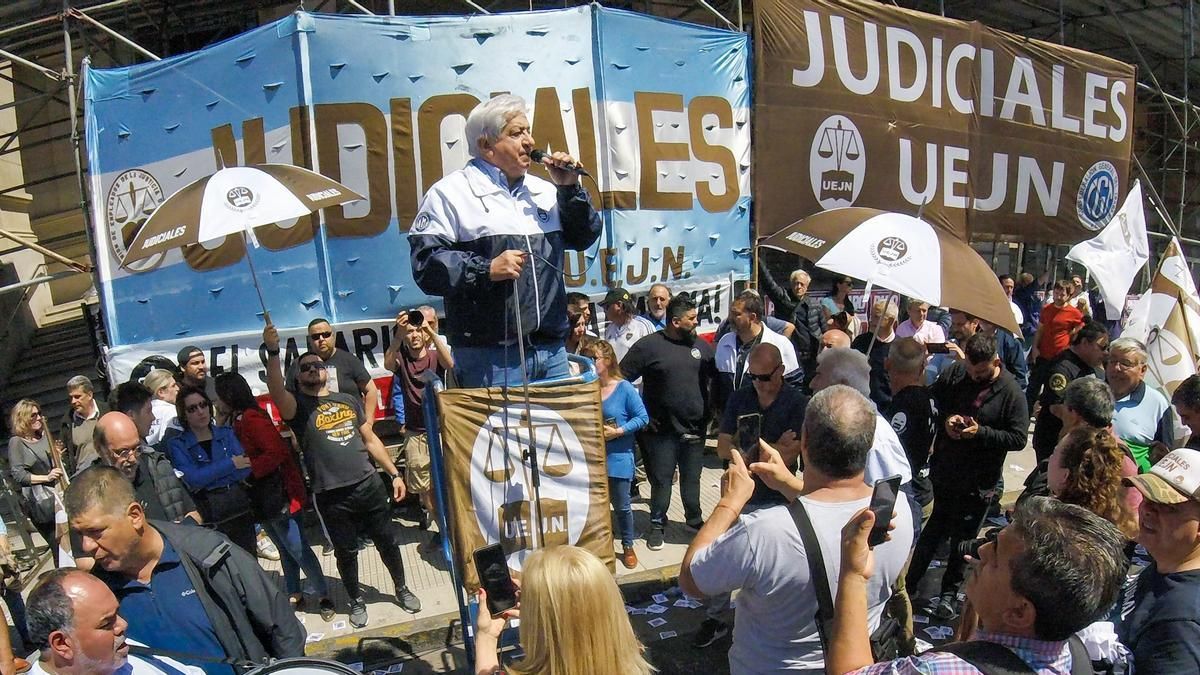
(535, 477)
(30, 64)
(77, 266)
(38, 280)
(1187, 65)
(114, 34)
(1142, 59)
(359, 7)
(72, 102)
(705, 5)
(1155, 200)
(477, 7)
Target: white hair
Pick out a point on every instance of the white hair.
(842, 365)
(799, 274)
(487, 120)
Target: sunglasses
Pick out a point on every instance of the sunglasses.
(321, 336)
(195, 407)
(765, 377)
(35, 416)
(310, 366)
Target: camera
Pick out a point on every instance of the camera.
(971, 547)
(415, 318)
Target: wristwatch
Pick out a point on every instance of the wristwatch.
(395, 476)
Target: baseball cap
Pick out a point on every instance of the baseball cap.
(1175, 479)
(187, 353)
(616, 295)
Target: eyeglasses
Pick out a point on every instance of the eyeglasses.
(195, 407)
(311, 366)
(321, 336)
(1123, 365)
(35, 415)
(765, 377)
(127, 452)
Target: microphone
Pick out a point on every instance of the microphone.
(537, 156)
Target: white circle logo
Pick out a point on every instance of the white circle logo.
(899, 422)
(241, 198)
(837, 163)
(1099, 191)
(500, 489)
(131, 198)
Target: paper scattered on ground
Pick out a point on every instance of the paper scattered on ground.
(666, 635)
(314, 637)
(660, 598)
(656, 609)
(357, 665)
(919, 618)
(922, 646)
(339, 625)
(657, 621)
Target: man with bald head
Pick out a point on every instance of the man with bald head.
(834, 338)
(159, 491)
(780, 409)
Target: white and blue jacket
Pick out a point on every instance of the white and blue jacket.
(471, 216)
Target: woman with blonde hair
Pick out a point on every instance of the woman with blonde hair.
(33, 466)
(624, 416)
(1085, 470)
(165, 388)
(573, 620)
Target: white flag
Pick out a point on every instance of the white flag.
(1167, 320)
(1116, 254)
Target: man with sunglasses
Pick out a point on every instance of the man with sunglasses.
(733, 349)
(780, 407)
(332, 428)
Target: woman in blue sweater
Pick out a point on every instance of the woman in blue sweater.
(214, 466)
(624, 415)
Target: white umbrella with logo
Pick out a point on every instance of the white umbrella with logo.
(900, 253)
(235, 200)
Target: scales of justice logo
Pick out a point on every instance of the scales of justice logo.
(131, 198)
(501, 489)
(837, 162)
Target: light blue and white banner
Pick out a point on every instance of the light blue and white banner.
(657, 110)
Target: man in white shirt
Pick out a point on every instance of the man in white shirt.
(73, 619)
(733, 349)
(774, 627)
(917, 328)
(1080, 297)
(624, 327)
(1009, 285)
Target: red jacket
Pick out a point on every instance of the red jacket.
(268, 452)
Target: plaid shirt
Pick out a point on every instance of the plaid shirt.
(1046, 658)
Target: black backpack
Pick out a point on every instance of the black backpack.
(991, 658)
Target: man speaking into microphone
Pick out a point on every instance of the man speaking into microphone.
(490, 239)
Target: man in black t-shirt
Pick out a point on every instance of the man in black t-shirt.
(331, 428)
(677, 370)
(912, 412)
(346, 374)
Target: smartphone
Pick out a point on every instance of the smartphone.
(883, 503)
(937, 348)
(749, 429)
(492, 569)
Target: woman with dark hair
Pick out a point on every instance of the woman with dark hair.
(274, 468)
(214, 468)
(837, 311)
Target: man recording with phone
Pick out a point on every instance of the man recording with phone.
(775, 626)
(983, 417)
(771, 410)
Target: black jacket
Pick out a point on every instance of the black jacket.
(1003, 416)
(804, 314)
(171, 493)
(249, 613)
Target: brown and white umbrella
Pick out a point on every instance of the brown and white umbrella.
(235, 200)
(903, 254)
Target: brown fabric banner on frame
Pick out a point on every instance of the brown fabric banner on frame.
(866, 104)
(484, 433)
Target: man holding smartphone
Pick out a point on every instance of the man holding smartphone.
(779, 408)
(983, 417)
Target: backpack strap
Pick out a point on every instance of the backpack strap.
(989, 658)
(816, 571)
(1081, 662)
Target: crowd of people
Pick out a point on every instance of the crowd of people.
(165, 495)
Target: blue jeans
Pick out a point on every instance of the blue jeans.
(501, 366)
(618, 495)
(295, 553)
